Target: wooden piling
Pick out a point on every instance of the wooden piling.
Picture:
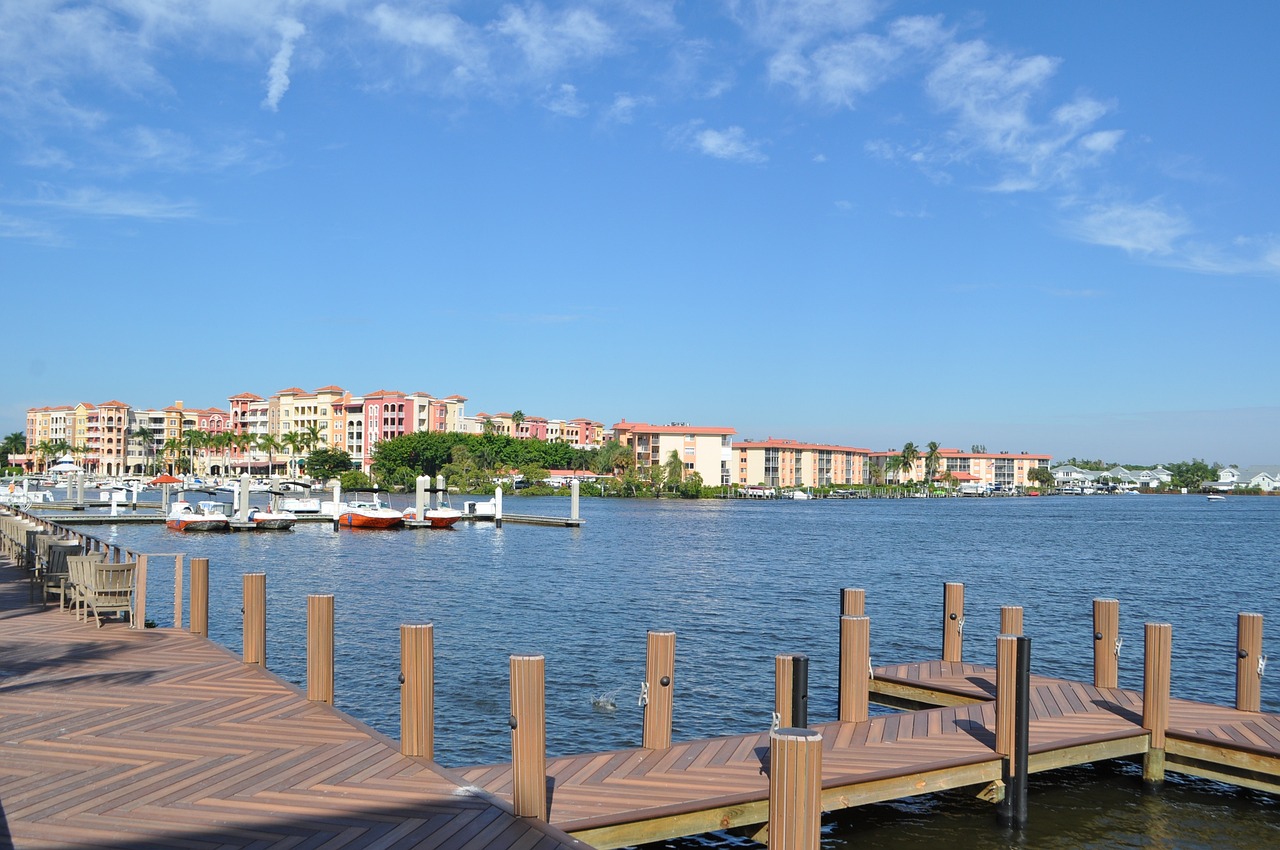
(855, 668)
(1106, 643)
(138, 620)
(1155, 696)
(320, 648)
(795, 789)
(1248, 662)
(255, 618)
(1010, 619)
(178, 581)
(528, 736)
(200, 597)
(791, 690)
(952, 621)
(1006, 682)
(658, 689)
(417, 690)
(853, 602)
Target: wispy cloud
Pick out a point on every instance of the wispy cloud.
(730, 144)
(92, 201)
(1145, 229)
(278, 74)
(550, 41)
(624, 107)
(563, 100)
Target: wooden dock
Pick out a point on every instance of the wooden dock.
(157, 738)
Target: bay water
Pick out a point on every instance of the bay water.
(742, 581)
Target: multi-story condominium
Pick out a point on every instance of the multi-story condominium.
(789, 463)
(438, 415)
(707, 451)
(983, 469)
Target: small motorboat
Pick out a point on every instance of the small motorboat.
(367, 509)
(272, 519)
(202, 516)
(441, 517)
(1216, 497)
(296, 497)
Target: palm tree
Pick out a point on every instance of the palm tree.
(146, 440)
(516, 419)
(909, 456)
(313, 435)
(13, 444)
(222, 442)
(295, 442)
(932, 460)
(894, 466)
(192, 441)
(172, 448)
(674, 469)
(270, 445)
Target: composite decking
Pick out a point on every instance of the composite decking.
(156, 738)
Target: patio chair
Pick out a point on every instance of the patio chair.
(55, 573)
(110, 589)
(79, 575)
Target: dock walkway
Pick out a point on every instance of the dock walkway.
(157, 738)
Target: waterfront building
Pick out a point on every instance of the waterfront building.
(790, 463)
(707, 451)
(993, 470)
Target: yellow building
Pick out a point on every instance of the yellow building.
(707, 451)
(789, 463)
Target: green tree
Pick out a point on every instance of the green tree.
(270, 445)
(978, 449)
(13, 444)
(192, 442)
(673, 470)
(517, 419)
(691, 487)
(655, 476)
(354, 479)
(932, 460)
(909, 456)
(295, 442)
(323, 464)
(1042, 477)
(1192, 474)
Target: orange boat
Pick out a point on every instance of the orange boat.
(366, 509)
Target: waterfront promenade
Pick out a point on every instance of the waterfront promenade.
(157, 738)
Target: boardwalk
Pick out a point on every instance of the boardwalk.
(159, 739)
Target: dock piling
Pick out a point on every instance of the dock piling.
(952, 621)
(795, 789)
(178, 581)
(1013, 723)
(1106, 643)
(853, 602)
(791, 690)
(497, 506)
(320, 648)
(138, 620)
(1155, 696)
(528, 736)
(255, 618)
(855, 668)
(1249, 662)
(656, 693)
(1010, 619)
(417, 690)
(200, 597)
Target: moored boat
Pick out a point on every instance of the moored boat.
(367, 509)
(296, 497)
(441, 517)
(271, 519)
(202, 516)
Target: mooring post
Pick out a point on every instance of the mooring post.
(795, 789)
(1022, 731)
(320, 648)
(1010, 619)
(574, 486)
(952, 620)
(420, 496)
(791, 690)
(853, 602)
(528, 736)
(1249, 662)
(658, 688)
(200, 597)
(417, 690)
(255, 618)
(1106, 643)
(1155, 696)
(242, 496)
(855, 668)
(497, 506)
(138, 619)
(177, 591)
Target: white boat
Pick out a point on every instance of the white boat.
(487, 508)
(367, 509)
(206, 515)
(295, 497)
(1216, 497)
(273, 519)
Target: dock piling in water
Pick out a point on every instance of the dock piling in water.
(528, 736)
(795, 789)
(320, 648)
(1010, 619)
(855, 668)
(417, 690)
(952, 621)
(853, 602)
(1106, 643)
(1249, 662)
(1155, 696)
(255, 618)
(200, 597)
(658, 688)
(791, 690)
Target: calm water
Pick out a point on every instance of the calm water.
(740, 582)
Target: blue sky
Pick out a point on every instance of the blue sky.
(1039, 227)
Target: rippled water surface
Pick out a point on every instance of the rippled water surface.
(740, 582)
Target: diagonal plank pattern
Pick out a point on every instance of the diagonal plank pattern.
(159, 739)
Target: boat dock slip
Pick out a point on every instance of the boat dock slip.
(158, 738)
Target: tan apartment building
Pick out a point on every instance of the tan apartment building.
(790, 463)
(1002, 470)
(707, 451)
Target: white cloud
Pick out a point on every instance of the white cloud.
(729, 144)
(1143, 229)
(550, 41)
(564, 101)
(278, 74)
(794, 23)
(91, 201)
(624, 106)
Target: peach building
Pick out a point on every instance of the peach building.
(983, 469)
(790, 463)
(707, 451)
